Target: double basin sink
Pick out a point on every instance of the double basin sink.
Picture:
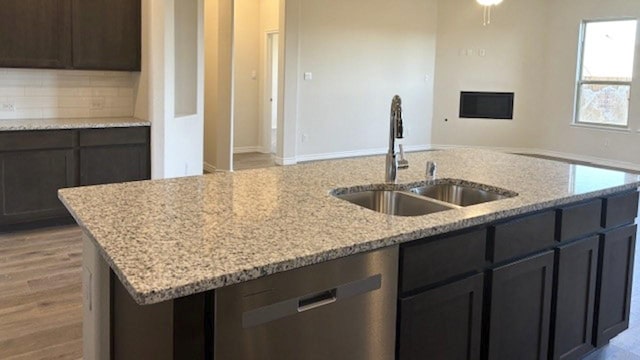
(425, 199)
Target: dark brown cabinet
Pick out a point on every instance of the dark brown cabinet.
(71, 34)
(575, 288)
(35, 33)
(35, 164)
(114, 155)
(443, 323)
(29, 183)
(105, 165)
(520, 309)
(613, 296)
(435, 260)
(106, 34)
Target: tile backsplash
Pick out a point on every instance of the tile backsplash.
(46, 94)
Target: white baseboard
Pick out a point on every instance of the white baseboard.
(558, 154)
(247, 149)
(208, 167)
(285, 161)
(356, 153)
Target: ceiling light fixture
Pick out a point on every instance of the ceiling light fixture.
(487, 9)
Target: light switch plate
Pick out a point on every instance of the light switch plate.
(308, 76)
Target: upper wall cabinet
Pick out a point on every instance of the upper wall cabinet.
(70, 34)
(106, 34)
(35, 33)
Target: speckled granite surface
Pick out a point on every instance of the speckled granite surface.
(71, 123)
(171, 238)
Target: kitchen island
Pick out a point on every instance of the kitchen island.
(169, 247)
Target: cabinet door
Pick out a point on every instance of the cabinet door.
(114, 164)
(613, 296)
(29, 183)
(106, 34)
(443, 323)
(35, 33)
(572, 324)
(520, 309)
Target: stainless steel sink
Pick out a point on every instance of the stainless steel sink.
(461, 195)
(395, 202)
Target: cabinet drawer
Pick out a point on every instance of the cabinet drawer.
(578, 220)
(620, 209)
(522, 236)
(433, 260)
(114, 136)
(35, 140)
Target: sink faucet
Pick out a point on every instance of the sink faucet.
(395, 132)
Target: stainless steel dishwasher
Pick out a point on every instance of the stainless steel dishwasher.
(340, 309)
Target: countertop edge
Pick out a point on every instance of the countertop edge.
(14, 125)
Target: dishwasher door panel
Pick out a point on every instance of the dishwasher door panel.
(340, 309)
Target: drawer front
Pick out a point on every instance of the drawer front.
(578, 220)
(522, 236)
(36, 140)
(114, 136)
(620, 209)
(431, 261)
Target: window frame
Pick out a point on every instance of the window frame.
(579, 82)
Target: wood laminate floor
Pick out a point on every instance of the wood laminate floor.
(40, 294)
(252, 161)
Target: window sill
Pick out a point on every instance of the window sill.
(603, 127)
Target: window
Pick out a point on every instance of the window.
(605, 72)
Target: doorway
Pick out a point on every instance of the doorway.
(242, 81)
(270, 125)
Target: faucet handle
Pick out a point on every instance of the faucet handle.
(402, 162)
(431, 170)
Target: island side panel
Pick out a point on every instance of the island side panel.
(96, 329)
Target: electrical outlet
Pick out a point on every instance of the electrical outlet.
(305, 137)
(97, 103)
(6, 106)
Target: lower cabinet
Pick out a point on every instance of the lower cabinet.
(29, 183)
(520, 309)
(442, 323)
(613, 297)
(575, 289)
(34, 165)
(105, 165)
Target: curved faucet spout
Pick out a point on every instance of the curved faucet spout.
(395, 132)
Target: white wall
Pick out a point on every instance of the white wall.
(177, 142)
(557, 113)
(361, 53)
(218, 39)
(513, 61)
(531, 49)
(246, 65)
(40, 93)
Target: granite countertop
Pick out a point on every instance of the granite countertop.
(70, 123)
(171, 238)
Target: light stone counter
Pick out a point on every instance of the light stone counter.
(171, 238)
(70, 123)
